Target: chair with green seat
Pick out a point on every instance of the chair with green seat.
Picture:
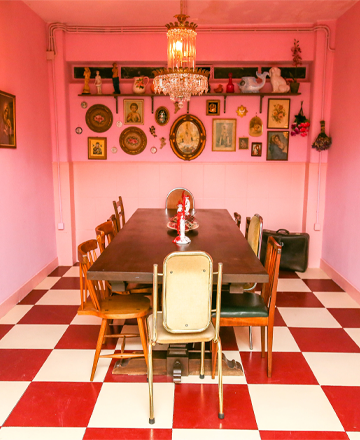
(251, 309)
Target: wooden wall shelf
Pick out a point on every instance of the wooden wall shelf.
(225, 95)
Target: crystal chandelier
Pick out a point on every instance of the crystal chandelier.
(181, 79)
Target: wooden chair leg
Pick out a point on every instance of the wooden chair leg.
(98, 347)
(250, 338)
(142, 331)
(150, 380)
(270, 332)
(262, 342)
(213, 358)
(221, 397)
(202, 362)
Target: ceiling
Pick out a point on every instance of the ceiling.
(203, 12)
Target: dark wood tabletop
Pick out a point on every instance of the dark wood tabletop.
(146, 240)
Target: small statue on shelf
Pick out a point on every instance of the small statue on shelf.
(87, 74)
(98, 82)
(115, 79)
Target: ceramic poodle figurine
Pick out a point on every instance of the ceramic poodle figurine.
(277, 81)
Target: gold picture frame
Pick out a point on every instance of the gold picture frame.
(133, 111)
(243, 143)
(278, 113)
(7, 120)
(224, 135)
(162, 116)
(256, 149)
(97, 148)
(277, 145)
(187, 137)
(99, 118)
(213, 107)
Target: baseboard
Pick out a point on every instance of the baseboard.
(19, 294)
(340, 280)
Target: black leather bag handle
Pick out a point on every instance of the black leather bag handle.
(283, 231)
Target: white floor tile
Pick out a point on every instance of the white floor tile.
(72, 272)
(353, 435)
(337, 300)
(126, 405)
(10, 393)
(314, 273)
(14, 315)
(354, 334)
(283, 340)
(338, 369)
(86, 320)
(41, 433)
(47, 283)
(60, 297)
(33, 336)
(293, 408)
(314, 317)
(292, 285)
(73, 366)
(214, 434)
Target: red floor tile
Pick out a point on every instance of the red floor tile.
(67, 283)
(287, 368)
(347, 318)
(54, 404)
(21, 364)
(303, 435)
(278, 320)
(323, 286)
(59, 271)
(127, 434)
(332, 340)
(297, 299)
(288, 274)
(83, 337)
(228, 340)
(4, 328)
(346, 403)
(49, 315)
(33, 297)
(197, 407)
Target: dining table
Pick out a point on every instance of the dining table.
(146, 239)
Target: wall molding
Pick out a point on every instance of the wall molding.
(340, 280)
(19, 294)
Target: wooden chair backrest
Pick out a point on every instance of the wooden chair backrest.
(272, 266)
(253, 233)
(172, 199)
(119, 214)
(98, 290)
(112, 219)
(104, 233)
(237, 218)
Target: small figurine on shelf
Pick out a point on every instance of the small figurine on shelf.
(219, 89)
(230, 86)
(98, 82)
(87, 74)
(115, 79)
(181, 238)
(278, 83)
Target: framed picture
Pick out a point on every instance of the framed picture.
(7, 121)
(133, 140)
(97, 148)
(213, 107)
(277, 145)
(224, 135)
(133, 111)
(278, 113)
(187, 137)
(255, 126)
(256, 149)
(243, 143)
(162, 116)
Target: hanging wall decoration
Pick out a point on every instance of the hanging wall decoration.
(213, 107)
(277, 145)
(278, 113)
(152, 131)
(78, 130)
(241, 111)
(133, 140)
(7, 121)
(244, 143)
(224, 135)
(162, 116)
(255, 126)
(97, 148)
(322, 142)
(187, 137)
(301, 124)
(162, 142)
(99, 118)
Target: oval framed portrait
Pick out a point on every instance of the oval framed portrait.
(133, 140)
(162, 116)
(187, 137)
(99, 118)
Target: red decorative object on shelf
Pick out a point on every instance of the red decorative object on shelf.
(230, 86)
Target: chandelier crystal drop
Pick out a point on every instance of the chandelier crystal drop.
(181, 79)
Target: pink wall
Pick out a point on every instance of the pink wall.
(26, 198)
(341, 249)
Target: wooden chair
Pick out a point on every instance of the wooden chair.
(237, 218)
(119, 214)
(251, 309)
(174, 196)
(100, 303)
(186, 310)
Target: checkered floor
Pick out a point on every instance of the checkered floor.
(46, 353)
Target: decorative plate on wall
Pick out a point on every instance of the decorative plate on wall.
(133, 140)
(187, 137)
(99, 118)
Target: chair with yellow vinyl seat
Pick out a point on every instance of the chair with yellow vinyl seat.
(187, 287)
(174, 196)
(96, 300)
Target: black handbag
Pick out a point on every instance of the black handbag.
(295, 249)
